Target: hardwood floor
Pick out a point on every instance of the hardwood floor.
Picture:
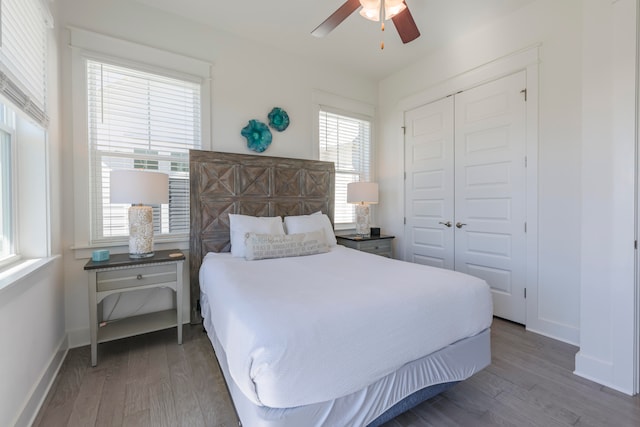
(151, 381)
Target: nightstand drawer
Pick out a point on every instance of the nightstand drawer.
(375, 246)
(378, 245)
(133, 277)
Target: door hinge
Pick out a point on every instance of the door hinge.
(404, 130)
(525, 161)
(525, 293)
(525, 94)
(405, 176)
(635, 244)
(405, 220)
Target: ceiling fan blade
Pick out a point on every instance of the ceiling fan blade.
(406, 26)
(336, 18)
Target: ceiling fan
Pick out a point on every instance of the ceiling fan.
(374, 10)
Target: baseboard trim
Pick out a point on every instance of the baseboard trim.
(39, 392)
(558, 331)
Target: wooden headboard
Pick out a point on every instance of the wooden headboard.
(224, 183)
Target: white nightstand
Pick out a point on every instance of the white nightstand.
(122, 274)
(379, 245)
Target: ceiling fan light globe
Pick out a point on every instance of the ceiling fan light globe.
(391, 9)
(370, 14)
(370, 9)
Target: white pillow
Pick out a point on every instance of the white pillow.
(308, 223)
(263, 246)
(240, 225)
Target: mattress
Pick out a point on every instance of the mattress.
(373, 404)
(306, 330)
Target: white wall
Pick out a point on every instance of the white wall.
(609, 331)
(32, 330)
(556, 28)
(32, 324)
(248, 80)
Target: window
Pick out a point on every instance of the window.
(24, 215)
(23, 55)
(346, 141)
(140, 120)
(7, 185)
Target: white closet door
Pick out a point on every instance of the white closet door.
(465, 188)
(490, 190)
(429, 184)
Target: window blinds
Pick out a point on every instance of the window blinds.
(345, 141)
(23, 55)
(140, 120)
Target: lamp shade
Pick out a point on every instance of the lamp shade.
(139, 187)
(362, 192)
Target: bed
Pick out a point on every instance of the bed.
(333, 338)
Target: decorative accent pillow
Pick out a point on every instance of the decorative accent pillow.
(263, 246)
(240, 225)
(307, 223)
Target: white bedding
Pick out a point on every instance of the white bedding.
(303, 330)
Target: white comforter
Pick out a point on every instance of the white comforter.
(310, 329)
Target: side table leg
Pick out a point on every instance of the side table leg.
(179, 299)
(93, 318)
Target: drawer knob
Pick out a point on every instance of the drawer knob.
(139, 277)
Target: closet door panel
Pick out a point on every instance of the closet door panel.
(490, 240)
(429, 185)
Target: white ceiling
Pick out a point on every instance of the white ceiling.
(354, 44)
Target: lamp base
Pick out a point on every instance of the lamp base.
(362, 220)
(139, 256)
(140, 231)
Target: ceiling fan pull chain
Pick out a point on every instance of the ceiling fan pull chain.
(382, 16)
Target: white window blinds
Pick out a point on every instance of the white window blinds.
(140, 120)
(23, 55)
(345, 141)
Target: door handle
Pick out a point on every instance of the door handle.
(446, 224)
(460, 224)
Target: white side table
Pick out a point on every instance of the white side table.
(122, 274)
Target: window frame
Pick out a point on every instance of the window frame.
(90, 45)
(10, 129)
(97, 189)
(325, 101)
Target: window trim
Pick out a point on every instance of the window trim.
(89, 45)
(32, 196)
(326, 101)
(13, 258)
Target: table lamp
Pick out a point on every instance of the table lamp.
(362, 194)
(140, 188)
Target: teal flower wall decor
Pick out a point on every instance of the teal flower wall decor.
(258, 135)
(278, 119)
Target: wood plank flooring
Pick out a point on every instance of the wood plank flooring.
(149, 380)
